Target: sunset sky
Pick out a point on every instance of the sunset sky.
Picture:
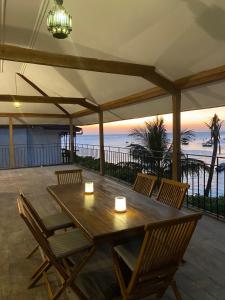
(194, 120)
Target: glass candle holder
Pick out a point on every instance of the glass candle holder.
(89, 187)
(120, 204)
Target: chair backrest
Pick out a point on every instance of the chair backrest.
(161, 252)
(31, 224)
(33, 212)
(172, 192)
(39, 236)
(69, 176)
(144, 184)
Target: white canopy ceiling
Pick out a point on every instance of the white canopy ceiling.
(178, 37)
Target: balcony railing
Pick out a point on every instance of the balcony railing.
(120, 163)
(33, 156)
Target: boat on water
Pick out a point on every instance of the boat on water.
(221, 167)
(185, 143)
(207, 144)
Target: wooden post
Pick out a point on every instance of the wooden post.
(71, 141)
(11, 145)
(101, 143)
(176, 159)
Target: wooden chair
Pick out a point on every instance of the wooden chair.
(153, 262)
(144, 184)
(69, 176)
(48, 224)
(56, 251)
(172, 193)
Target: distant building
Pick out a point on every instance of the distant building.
(36, 145)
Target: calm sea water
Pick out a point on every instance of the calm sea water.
(123, 140)
(194, 149)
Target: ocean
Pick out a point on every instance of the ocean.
(123, 140)
(194, 150)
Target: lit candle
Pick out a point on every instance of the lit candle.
(89, 187)
(120, 204)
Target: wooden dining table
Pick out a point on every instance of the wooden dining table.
(95, 213)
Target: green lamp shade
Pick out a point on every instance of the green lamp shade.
(59, 22)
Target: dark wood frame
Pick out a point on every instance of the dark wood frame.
(160, 255)
(69, 176)
(67, 276)
(145, 183)
(172, 193)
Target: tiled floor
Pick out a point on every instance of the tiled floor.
(201, 278)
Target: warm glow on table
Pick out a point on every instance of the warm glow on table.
(89, 201)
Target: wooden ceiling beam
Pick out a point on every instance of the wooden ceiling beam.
(49, 100)
(15, 53)
(31, 83)
(33, 115)
(195, 80)
(201, 78)
(162, 82)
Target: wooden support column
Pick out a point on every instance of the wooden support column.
(11, 145)
(176, 159)
(71, 141)
(101, 143)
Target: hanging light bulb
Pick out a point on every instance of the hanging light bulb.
(59, 22)
(17, 104)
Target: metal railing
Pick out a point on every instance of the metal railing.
(34, 155)
(120, 163)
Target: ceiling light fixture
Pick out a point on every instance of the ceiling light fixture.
(17, 104)
(59, 22)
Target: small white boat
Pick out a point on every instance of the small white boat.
(207, 144)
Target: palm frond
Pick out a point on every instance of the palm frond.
(187, 135)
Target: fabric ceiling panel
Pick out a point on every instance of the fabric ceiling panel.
(100, 87)
(179, 38)
(204, 97)
(21, 21)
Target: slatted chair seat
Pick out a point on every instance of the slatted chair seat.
(68, 243)
(48, 224)
(57, 221)
(144, 184)
(129, 252)
(153, 261)
(172, 193)
(69, 176)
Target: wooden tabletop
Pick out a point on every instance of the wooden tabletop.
(95, 213)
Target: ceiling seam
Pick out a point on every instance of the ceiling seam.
(41, 13)
(2, 29)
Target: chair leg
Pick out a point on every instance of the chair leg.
(32, 252)
(38, 270)
(160, 294)
(58, 293)
(175, 290)
(39, 275)
(81, 264)
(78, 292)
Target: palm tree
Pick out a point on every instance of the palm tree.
(214, 126)
(155, 149)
